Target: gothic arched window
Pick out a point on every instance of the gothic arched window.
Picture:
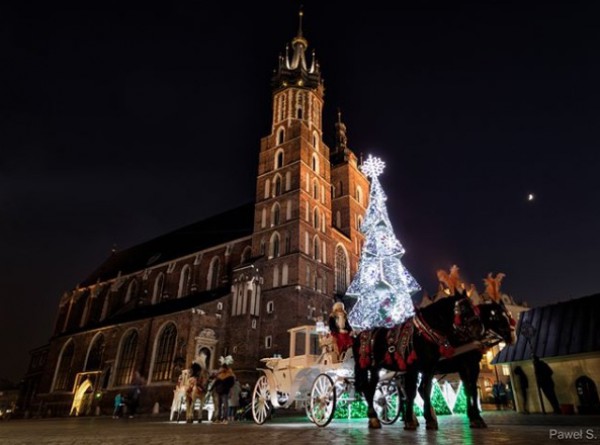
(359, 194)
(277, 186)
(95, 354)
(64, 369)
(280, 136)
(279, 159)
(341, 270)
(275, 214)
(184, 281)
(274, 246)
(126, 360)
(165, 353)
(316, 248)
(132, 290)
(159, 285)
(246, 254)
(212, 280)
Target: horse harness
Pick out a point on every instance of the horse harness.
(423, 328)
(398, 340)
(465, 318)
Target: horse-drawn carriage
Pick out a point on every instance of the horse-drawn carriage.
(448, 336)
(316, 375)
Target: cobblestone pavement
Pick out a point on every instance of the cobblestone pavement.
(504, 428)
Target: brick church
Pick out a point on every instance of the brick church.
(231, 284)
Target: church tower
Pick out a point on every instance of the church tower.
(301, 259)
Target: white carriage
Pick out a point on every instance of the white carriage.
(316, 375)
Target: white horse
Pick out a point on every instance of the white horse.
(191, 389)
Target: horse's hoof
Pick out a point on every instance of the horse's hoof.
(479, 423)
(431, 426)
(374, 423)
(410, 426)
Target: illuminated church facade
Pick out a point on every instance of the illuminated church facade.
(231, 284)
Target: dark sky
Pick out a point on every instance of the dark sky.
(118, 125)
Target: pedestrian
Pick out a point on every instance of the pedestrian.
(224, 381)
(523, 386)
(118, 411)
(499, 393)
(543, 375)
(510, 396)
(135, 394)
(234, 399)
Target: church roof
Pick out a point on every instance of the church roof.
(560, 329)
(219, 229)
(146, 311)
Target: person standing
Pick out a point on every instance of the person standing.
(135, 394)
(118, 411)
(224, 381)
(234, 399)
(499, 393)
(523, 386)
(543, 375)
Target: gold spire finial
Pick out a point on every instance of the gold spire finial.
(300, 14)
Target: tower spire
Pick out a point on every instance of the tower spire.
(341, 140)
(300, 15)
(300, 44)
(296, 69)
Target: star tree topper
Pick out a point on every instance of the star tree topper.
(373, 166)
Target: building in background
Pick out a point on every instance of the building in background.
(231, 284)
(566, 337)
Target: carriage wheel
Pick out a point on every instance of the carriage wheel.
(387, 402)
(261, 405)
(322, 400)
(308, 411)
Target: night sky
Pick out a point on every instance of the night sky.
(118, 125)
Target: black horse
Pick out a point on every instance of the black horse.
(498, 326)
(412, 348)
(452, 322)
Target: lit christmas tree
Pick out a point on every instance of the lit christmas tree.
(438, 401)
(382, 286)
(460, 405)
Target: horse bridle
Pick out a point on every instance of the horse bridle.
(460, 325)
(493, 338)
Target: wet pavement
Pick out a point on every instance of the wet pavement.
(503, 428)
